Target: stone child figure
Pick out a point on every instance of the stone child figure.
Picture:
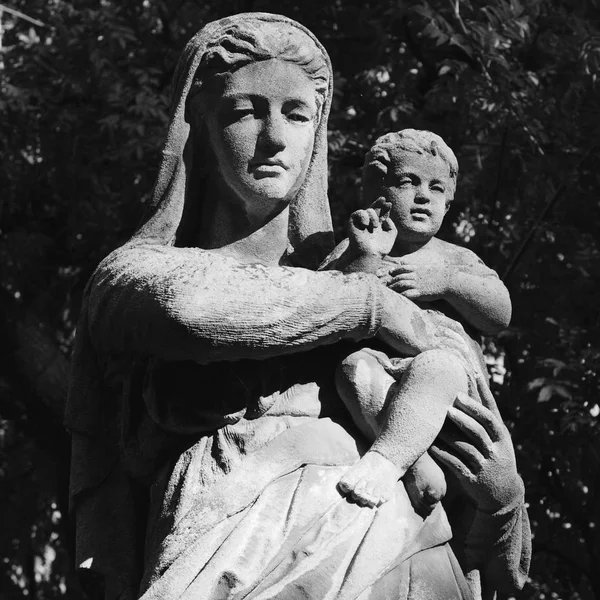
(401, 403)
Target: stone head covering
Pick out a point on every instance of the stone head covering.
(178, 185)
(107, 505)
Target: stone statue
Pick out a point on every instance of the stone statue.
(208, 436)
(402, 403)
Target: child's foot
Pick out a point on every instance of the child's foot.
(371, 481)
(425, 485)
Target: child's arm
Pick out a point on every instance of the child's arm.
(443, 271)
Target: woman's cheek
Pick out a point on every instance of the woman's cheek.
(305, 140)
(240, 142)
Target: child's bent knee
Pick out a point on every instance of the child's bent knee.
(362, 381)
(356, 366)
(363, 355)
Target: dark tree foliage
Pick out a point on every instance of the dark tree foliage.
(512, 85)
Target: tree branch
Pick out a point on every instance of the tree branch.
(20, 15)
(541, 217)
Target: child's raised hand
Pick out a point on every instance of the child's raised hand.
(371, 231)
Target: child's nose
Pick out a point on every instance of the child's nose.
(423, 195)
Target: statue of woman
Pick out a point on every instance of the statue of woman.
(208, 438)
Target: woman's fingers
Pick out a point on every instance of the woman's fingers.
(472, 429)
(467, 453)
(486, 396)
(491, 423)
(452, 462)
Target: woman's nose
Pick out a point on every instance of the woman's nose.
(272, 136)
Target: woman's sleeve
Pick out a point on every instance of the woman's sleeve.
(499, 545)
(186, 303)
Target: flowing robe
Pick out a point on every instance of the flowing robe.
(202, 410)
(249, 438)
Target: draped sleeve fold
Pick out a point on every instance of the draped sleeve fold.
(191, 304)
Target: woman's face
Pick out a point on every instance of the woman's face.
(261, 130)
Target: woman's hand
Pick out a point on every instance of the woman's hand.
(481, 456)
(408, 329)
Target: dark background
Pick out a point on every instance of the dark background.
(512, 85)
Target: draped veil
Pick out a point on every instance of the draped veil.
(105, 502)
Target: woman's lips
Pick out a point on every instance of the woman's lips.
(267, 169)
(269, 164)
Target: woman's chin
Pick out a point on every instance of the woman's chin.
(274, 189)
(267, 193)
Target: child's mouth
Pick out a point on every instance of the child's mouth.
(423, 212)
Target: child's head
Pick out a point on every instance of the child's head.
(388, 150)
(416, 172)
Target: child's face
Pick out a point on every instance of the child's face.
(417, 186)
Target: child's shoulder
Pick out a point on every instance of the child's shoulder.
(457, 254)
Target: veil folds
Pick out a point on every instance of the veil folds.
(310, 230)
(107, 505)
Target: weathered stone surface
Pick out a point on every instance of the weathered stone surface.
(208, 435)
(412, 174)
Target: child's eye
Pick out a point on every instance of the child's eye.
(405, 181)
(438, 188)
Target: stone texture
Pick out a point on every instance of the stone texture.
(208, 436)
(412, 174)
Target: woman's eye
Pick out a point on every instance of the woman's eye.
(298, 117)
(405, 181)
(241, 112)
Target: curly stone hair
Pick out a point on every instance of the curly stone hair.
(386, 148)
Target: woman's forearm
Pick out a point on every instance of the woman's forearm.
(499, 546)
(185, 303)
(404, 326)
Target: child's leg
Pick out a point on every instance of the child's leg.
(363, 384)
(415, 411)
